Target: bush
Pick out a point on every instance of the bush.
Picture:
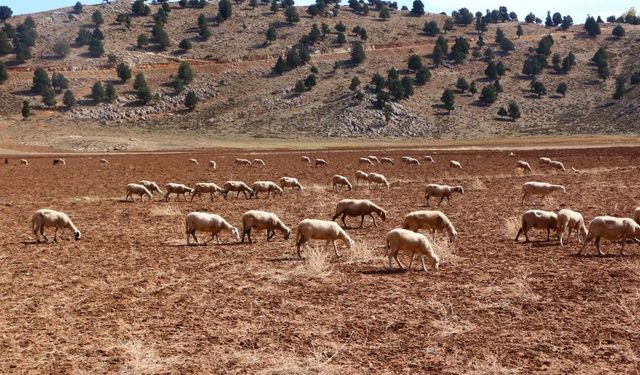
(418, 8)
(185, 73)
(291, 14)
(59, 82)
(139, 82)
(97, 92)
(462, 84)
(300, 87)
(635, 78)
(489, 94)
(224, 9)
(447, 100)
(618, 31)
(423, 75)
(407, 85)
(431, 28)
(562, 89)
(124, 72)
(97, 18)
(84, 37)
(281, 66)
(185, 45)
(357, 53)
(68, 99)
(514, 111)
(538, 88)
(4, 74)
(144, 94)
(96, 48)
(40, 81)
(272, 33)
(139, 8)
(415, 62)
(26, 109)
(110, 93)
(341, 38)
(77, 8)
(341, 27)
(502, 112)
(61, 48)
(355, 82)
(384, 13)
(620, 89)
(49, 97)
(191, 100)
(310, 81)
(591, 26)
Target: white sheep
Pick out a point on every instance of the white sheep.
(46, 218)
(365, 161)
(209, 223)
(206, 187)
(523, 165)
(540, 188)
(213, 165)
(574, 170)
(387, 161)
(441, 191)
(177, 189)
(557, 165)
(511, 154)
(193, 161)
(360, 175)
(305, 159)
(358, 207)
(105, 162)
(259, 162)
(412, 161)
(237, 186)
(267, 187)
(544, 161)
(242, 162)
(429, 159)
(539, 220)
(151, 186)
(312, 229)
(613, 229)
(137, 189)
(455, 164)
(24, 162)
(373, 158)
(260, 220)
(568, 219)
(405, 160)
(416, 243)
(320, 162)
(430, 220)
(636, 215)
(59, 162)
(339, 181)
(377, 179)
(291, 182)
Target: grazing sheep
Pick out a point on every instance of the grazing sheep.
(178, 190)
(575, 170)
(387, 161)
(455, 164)
(405, 160)
(243, 162)
(557, 165)
(259, 162)
(523, 165)
(511, 154)
(373, 158)
(365, 161)
(377, 179)
(206, 187)
(613, 229)
(151, 186)
(540, 188)
(312, 229)
(305, 159)
(636, 215)
(412, 161)
(358, 207)
(539, 220)
(239, 187)
(213, 165)
(24, 162)
(434, 220)
(340, 181)
(193, 161)
(360, 175)
(46, 218)
(137, 189)
(266, 186)
(291, 182)
(429, 159)
(416, 243)
(568, 219)
(321, 162)
(210, 223)
(442, 192)
(59, 162)
(105, 162)
(544, 161)
(260, 220)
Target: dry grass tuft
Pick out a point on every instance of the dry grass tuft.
(361, 252)
(512, 226)
(164, 211)
(317, 264)
(488, 365)
(477, 184)
(140, 358)
(443, 250)
(448, 323)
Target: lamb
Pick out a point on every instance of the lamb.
(178, 190)
(320, 162)
(151, 186)
(259, 162)
(540, 220)
(523, 165)
(312, 229)
(377, 179)
(239, 187)
(24, 162)
(291, 182)
(540, 188)
(193, 161)
(413, 161)
(44, 218)
(360, 175)
(613, 229)
(557, 165)
(387, 161)
(373, 158)
(442, 192)
(59, 162)
(260, 220)
(544, 161)
(242, 162)
(213, 165)
(211, 223)
(366, 161)
(568, 219)
(266, 186)
(429, 159)
(358, 207)
(137, 189)
(434, 220)
(405, 159)
(416, 243)
(340, 181)
(636, 215)
(105, 162)
(305, 159)
(205, 187)
(455, 164)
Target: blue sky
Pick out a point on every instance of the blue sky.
(578, 9)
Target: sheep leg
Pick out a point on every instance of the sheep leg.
(439, 203)
(248, 233)
(335, 248)
(523, 198)
(127, 197)
(238, 195)
(519, 233)
(270, 234)
(598, 246)
(374, 220)
(55, 235)
(548, 234)
(624, 240)
(427, 197)
(569, 235)
(584, 244)
(448, 200)
(194, 195)
(411, 261)
(424, 266)
(361, 221)
(343, 222)
(395, 256)
(300, 242)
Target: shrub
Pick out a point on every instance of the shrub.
(357, 53)
(40, 81)
(96, 48)
(489, 94)
(431, 28)
(68, 99)
(355, 82)
(97, 92)
(110, 94)
(84, 37)
(139, 8)
(26, 109)
(49, 96)
(447, 100)
(514, 111)
(291, 15)
(272, 33)
(538, 88)
(415, 62)
(423, 75)
(97, 18)
(191, 100)
(124, 72)
(224, 9)
(562, 89)
(4, 74)
(61, 48)
(59, 82)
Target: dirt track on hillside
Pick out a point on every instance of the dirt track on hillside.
(131, 297)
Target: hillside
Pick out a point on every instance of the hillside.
(240, 96)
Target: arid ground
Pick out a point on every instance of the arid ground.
(130, 297)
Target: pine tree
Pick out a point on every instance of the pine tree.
(26, 109)
(68, 99)
(415, 62)
(185, 73)
(355, 82)
(592, 27)
(423, 75)
(281, 66)
(310, 81)
(40, 81)
(97, 92)
(357, 53)
(462, 84)
(275, 6)
(191, 100)
(292, 15)
(514, 111)
(77, 8)
(562, 89)
(185, 45)
(110, 94)
(499, 35)
(300, 86)
(519, 31)
(538, 88)
(49, 96)
(472, 88)
(618, 31)
(431, 28)
(61, 48)
(272, 33)
(59, 82)
(488, 94)
(447, 100)
(418, 8)
(502, 112)
(620, 89)
(224, 9)
(341, 38)
(4, 74)
(96, 48)
(97, 18)
(139, 82)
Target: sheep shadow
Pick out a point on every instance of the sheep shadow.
(34, 242)
(605, 256)
(284, 259)
(383, 272)
(542, 244)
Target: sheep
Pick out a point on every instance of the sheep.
(151, 186)
(193, 161)
(412, 161)
(387, 161)
(205, 187)
(511, 154)
(442, 192)
(260, 220)
(211, 223)
(258, 162)
(557, 165)
(178, 190)
(291, 182)
(429, 159)
(455, 164)
(59, 162)
(44, 218)
(305, 159)
(416, 243)
(405, 159)
(312, 229)
(358, 207)
(320, 162)
(373, 158)
(544, 161)
(540, 188)
(636, 215)
(213, 165)
(574, 170)
(266, 186)
(611, 228)
(540, 220)
(340, 181)
(523, 165)
(434, 220)
(239, 187)
(568, 219)
(105, 162)
(137, 189)
(377, 179)
(24, 162)
(242, 162)
(365, 161)
(360, 175)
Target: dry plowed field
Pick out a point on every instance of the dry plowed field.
(130, 297)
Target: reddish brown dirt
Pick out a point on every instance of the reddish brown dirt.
(131, 297)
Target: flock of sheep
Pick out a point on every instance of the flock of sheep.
(406, 238)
